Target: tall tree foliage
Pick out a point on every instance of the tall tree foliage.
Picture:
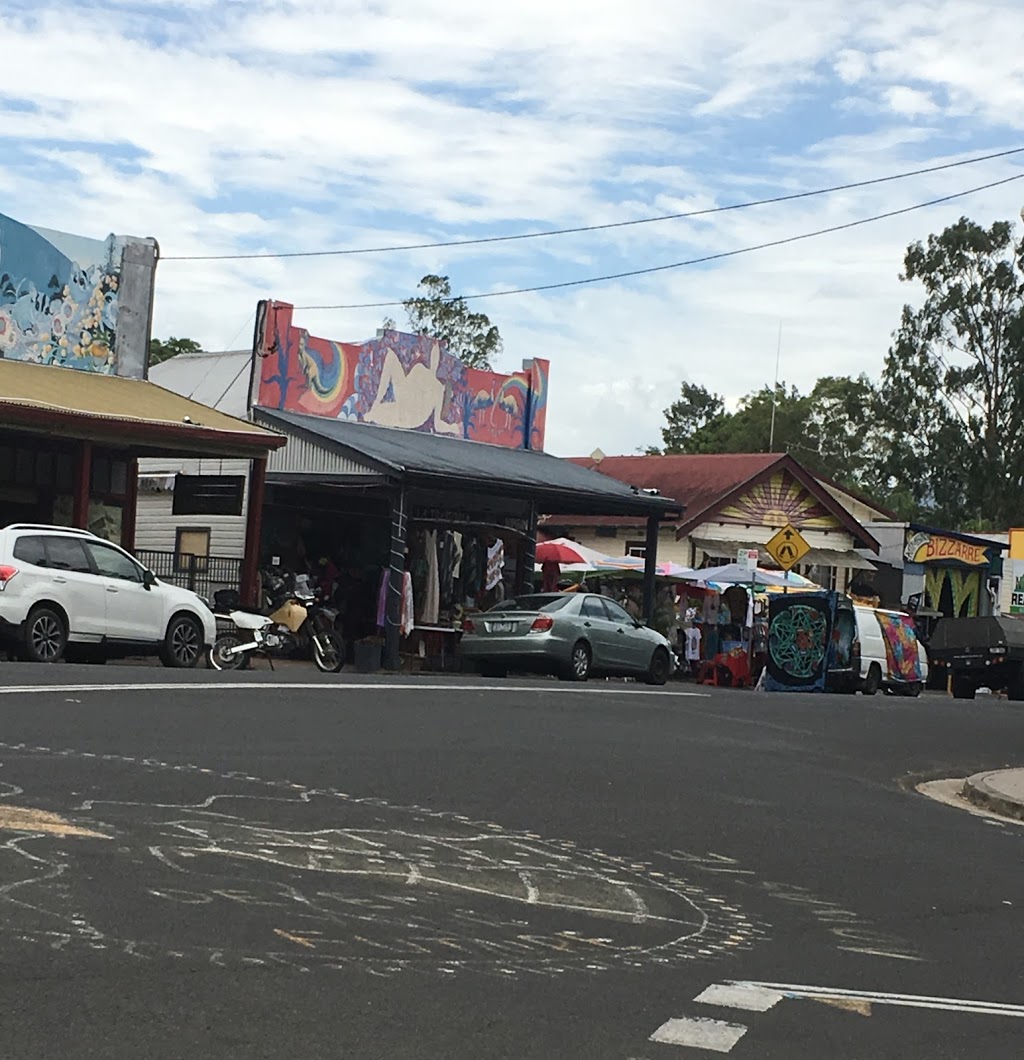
(953, 381)
(435, 311)
(165, 349)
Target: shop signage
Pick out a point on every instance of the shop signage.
(747, 558)
(455, 519)
(1017, 571)
(788, 547)
(934, 548)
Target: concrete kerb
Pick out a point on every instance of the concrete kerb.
(999, 791)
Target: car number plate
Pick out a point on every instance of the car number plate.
(502, 627)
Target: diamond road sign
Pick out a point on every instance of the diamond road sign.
(787, 547)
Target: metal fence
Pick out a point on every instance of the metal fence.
(202, 574)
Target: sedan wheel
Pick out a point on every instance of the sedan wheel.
(579, 664)
(657, 673)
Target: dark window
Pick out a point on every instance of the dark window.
(30, 550)
(534, 603)
(112, 563)
(67, 553)
(606, 531)
(208, 494)
(592, 607)
(636, 548)
(616, 613)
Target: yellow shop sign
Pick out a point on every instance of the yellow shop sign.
(933, 548)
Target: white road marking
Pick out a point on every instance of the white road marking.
(532, 893)
(740, 995)
(948, 1004)
(713, 1035)
(248, 686)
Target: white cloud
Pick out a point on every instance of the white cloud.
(293, 125)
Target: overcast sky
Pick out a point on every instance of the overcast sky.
(223, 126)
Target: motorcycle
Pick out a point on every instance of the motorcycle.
(300, 623)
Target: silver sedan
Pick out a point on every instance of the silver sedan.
(572, 635)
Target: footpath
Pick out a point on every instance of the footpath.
(1000, 791)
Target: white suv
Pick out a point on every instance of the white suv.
(68, 591)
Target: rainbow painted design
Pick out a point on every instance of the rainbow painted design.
(397, 380)
(778, 501)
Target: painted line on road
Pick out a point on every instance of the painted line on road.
(827, 993)
(700, 1033)
(318, 686)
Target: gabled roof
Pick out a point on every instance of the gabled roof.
(80, 404)
(220, 380)
(706, 482)
(418, 458)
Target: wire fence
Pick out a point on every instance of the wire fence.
(202, 574)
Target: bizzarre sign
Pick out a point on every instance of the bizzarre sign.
(934, 548)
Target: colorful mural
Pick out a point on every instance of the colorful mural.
(395, 380)
(778, 501)
(900, 647)
(63, 297)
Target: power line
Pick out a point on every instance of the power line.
(694, 261)
(595, 228)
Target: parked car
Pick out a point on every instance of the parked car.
(572, 635)
(68, 592)
(876, 671)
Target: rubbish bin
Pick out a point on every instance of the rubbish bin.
(367, 656)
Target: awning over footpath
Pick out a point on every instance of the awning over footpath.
(415, 459)
(817, 557)
(122, 412)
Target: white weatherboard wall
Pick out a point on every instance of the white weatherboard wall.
(155, 525)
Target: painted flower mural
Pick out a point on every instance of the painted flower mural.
(59, 299)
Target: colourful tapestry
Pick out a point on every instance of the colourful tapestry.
(396, 380)
(900, 647)
(799, 635)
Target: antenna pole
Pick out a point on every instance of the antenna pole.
(775, 391)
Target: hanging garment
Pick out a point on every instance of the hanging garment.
(432, 590)
(693, 644)
(456, 555)
(408, 605)
(382, 599)
(495, 564)
(550, 573)
(446, 568)
(471, 566)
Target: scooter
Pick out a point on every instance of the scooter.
(301, 621)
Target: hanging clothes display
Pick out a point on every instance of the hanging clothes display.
(382, 598)
(495, 564)
(472, 567)
(408, 619)
(446, 566)
(432, 590)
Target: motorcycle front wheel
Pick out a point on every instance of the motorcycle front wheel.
(220, 656)
(328, 652)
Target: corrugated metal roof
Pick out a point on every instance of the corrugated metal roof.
(220, 380)
(411, 455)
(27, 388)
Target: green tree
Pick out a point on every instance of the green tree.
(165, 349)
(436, 312)
(953, 385)
(687, 417)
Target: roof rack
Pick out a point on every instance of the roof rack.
(44, 526)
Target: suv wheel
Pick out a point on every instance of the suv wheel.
(183, 644)
(45, 636)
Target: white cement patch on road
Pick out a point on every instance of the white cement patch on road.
(713, 1035)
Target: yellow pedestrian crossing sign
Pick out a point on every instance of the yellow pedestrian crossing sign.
(788, 547)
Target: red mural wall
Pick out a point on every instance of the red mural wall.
(396, 380)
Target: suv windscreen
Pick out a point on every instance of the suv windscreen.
(66, 553)
(31, 549)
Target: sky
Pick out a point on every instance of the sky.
(247, 126)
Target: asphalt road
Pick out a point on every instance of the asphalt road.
(214, 865)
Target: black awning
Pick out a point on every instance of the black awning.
(431, 460)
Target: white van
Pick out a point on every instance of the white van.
(882, 665)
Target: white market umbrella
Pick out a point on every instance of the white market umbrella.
(734, 574)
